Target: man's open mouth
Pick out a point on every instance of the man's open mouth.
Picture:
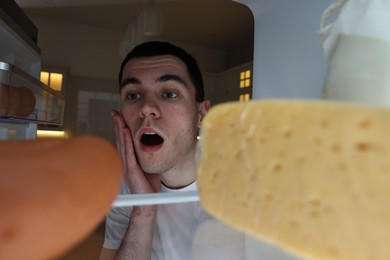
(151, 139)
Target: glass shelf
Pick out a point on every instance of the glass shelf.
(192, 233)
(24, 99)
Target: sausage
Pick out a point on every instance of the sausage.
(53, 193)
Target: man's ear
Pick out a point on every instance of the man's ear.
(204, 106)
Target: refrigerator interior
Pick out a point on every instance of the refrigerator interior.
(25, 102)
(20, 67)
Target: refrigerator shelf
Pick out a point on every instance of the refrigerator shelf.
(24, 99)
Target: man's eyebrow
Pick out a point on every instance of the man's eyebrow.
(163, 78)
(130, 80)
(172, 77)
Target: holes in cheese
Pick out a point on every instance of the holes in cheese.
(312, 177)
(54, 193)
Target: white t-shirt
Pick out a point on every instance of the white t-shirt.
(182, 231)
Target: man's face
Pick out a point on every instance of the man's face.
(158, 105)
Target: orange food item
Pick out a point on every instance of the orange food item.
(53, 193)
(20, 100)
(4, 97)
(14, 101)
(28, 102)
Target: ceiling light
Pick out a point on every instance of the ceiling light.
(150, 20)
(147, 25)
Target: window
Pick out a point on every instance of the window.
(245, 97)
(245, 85)
(52, 79)
(245, 79)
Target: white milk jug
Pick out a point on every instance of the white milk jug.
(357, 46)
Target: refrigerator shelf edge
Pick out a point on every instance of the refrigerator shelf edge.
(130, 200)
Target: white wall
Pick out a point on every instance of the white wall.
(83, 50)
(288, 60)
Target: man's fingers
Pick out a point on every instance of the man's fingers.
(129, 149)
(119, 126)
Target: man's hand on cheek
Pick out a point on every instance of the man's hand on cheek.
(136, 179)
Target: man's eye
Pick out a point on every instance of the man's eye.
(133, 96)
(170, 95)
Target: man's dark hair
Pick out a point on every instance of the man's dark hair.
(157, 48)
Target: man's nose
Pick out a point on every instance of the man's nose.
(149, 108)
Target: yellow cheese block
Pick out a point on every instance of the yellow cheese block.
(310, 176)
